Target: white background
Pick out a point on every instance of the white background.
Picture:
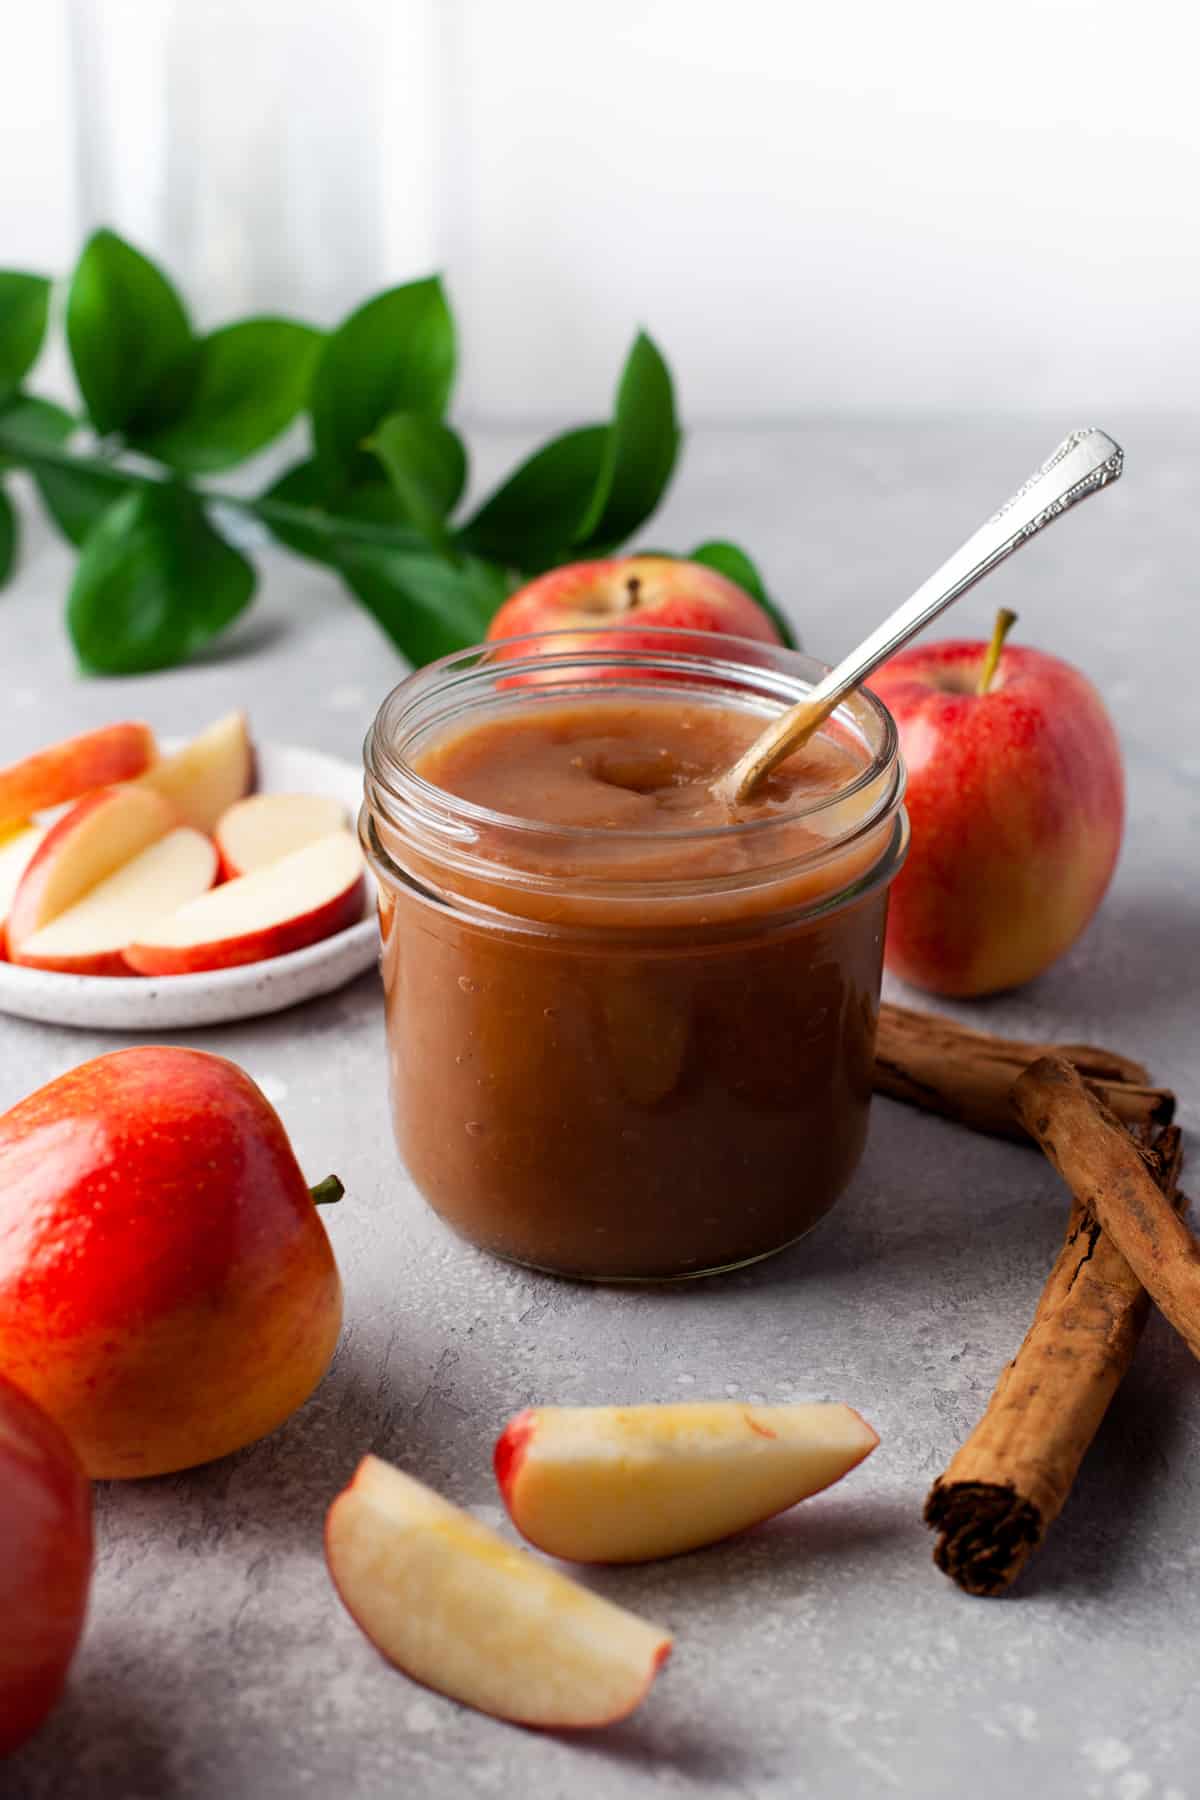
(934, 206)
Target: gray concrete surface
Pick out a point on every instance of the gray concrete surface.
(823, 1655)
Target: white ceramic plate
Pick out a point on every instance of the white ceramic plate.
(177, 1002)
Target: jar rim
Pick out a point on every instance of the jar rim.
(676, 654)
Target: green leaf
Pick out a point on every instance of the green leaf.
(590, 489)
(8, 537)
(395, 354)
(427, 606)
(129, 337)
(305, 485)
(36, 422)
(154, 583)
(249, 381)
(24, 309)
(76, 499)
(728, 560)
(426, 465)
(643, 442)
(538, 513)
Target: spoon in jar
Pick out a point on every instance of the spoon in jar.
(1083, 463)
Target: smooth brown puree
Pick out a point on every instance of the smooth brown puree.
(613, 1081)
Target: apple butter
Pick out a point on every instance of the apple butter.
(630, 1032)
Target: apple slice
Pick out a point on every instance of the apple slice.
(266, 827)
(308, 895)
(212, 771)
(66, 770)
(630, 1483)
(453, 1605)
(16, 852)
(87, 845)
(89, 937)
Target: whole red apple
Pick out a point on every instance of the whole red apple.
(45, 1562)
(610, 598)
(167, 1290)
(1016, 802)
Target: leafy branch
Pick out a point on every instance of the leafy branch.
(164, 409)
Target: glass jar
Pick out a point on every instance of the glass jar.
(629, 1074)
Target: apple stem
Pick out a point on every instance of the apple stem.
(1005, 621)
(633, 588)
(327, 1191)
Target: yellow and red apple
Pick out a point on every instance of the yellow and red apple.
(17, 846)
(167, 1290)
(99, 834)
(89, 938)
(632, 1483)
(66, 770)
(283, 906)
(1016, 802)
(208, 774)
(45, 1562)
(264, 828)
(604, 605)
(454, 1606)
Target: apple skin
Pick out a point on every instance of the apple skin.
(46, 1566)
(175, 869)
(254, 943)
(167, 1290)
(1016, 803)
(87, 845)
(73, 767)
(605, 601)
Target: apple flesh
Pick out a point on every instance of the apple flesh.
(454, 1606)
(291, 903)
(266, 827)
(16, 853)
(607, 602)
(89, 937)
(621, 1484)
(46, 1565)
(88, 844)
(205, 777)
(65, 771)
(1016, 803)
(167, 1290)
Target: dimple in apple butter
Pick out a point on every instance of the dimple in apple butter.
(630, 1030)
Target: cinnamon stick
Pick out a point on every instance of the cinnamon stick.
(1009, 1481)
(968, 1075)
(1107, 1174)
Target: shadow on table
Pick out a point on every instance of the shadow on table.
(1103, 1531)
(295, 1474)
(1129, 972)
(704, 1755)
(258, 633)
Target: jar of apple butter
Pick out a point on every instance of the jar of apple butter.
(630, 1031)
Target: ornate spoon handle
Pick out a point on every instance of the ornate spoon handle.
(1083, 463)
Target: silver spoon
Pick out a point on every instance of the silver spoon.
(1083, 463)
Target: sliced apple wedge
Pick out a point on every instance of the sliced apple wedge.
(69, 769)
(205, 777)
(16, 853)
(308, 895)
(101, 832)
(631, 1483)
(265, 827)
(89, 937)
(456, 1607)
